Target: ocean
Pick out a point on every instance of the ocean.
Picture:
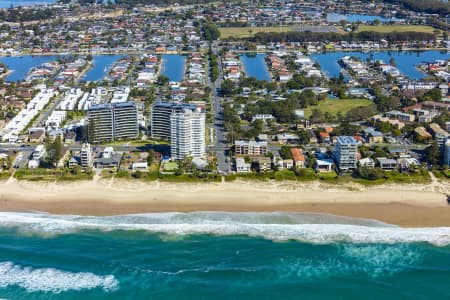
(218, 255)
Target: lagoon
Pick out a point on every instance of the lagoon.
(21, 65)
(8, 3)
(173, 66)
(406, 60)
(101, 66)
(255, 66)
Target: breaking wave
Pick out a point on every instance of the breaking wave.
(304, 227)
(52, 280)
(369, 260)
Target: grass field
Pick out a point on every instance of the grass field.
(399, 28)
(338, 105)
(244, 32)
(170, 166)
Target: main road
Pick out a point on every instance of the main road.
(220, 147)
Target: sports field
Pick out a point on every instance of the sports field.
(245, 32)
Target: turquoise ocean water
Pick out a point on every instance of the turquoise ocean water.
(208, 255)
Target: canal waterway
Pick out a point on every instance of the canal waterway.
(255, 66)
(173, 66)
(406, 60)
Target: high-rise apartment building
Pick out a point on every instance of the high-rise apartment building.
(447, 152)
(187, 134)
(160, 117)
(109, 122)
(86, 156)
(346, 153)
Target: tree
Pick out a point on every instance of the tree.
(54, 151)
(392, 62)
(285, 152)
(316, 116)
(163, 79)
(433, 94)
(432, 154)
(150, 157)
(369, 173)
(211, 32)
(227, 87)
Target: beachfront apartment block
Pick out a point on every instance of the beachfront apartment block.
(251, 148)
(187, 134)
(447, 152)
(160, 117)
(346, 153)
(86, 155)
(125, 120)
(109, 122)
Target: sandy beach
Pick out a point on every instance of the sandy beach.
(404, 205)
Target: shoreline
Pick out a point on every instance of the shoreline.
(406, 206)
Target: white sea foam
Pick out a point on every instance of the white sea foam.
(52, 280)
(312, 228)
(353, 259)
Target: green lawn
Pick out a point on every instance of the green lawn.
(337, 105)
(245, 32)
(136, 143)
(170, 166)
(399, 28)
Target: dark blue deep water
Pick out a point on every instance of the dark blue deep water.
(219, 256)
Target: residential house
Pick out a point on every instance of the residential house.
(298, 158)
(387, 163)
(242, 166)
(324, 165)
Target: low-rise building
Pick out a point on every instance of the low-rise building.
(298, 157)
(242, 166)
(141, 166)
(324, 165)
(387, 163)
(109, 159)
(366, 162)
(401, 116)
(263, 164)
(251, 148)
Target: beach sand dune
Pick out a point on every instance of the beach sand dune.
(404, 205)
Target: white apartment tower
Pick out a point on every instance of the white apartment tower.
(187, 134)
(447, 152)
(346, 153)
(86, 155)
